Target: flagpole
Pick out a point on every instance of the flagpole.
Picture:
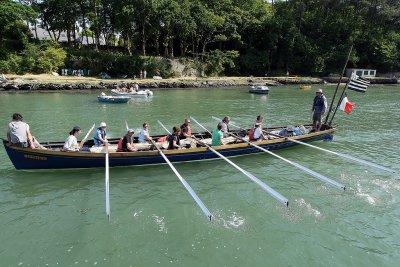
(340, 99)
(337, 87)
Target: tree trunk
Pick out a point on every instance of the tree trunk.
(143, 40)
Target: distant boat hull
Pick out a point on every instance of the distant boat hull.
(140, 93)
(113, 99)
(259, 89)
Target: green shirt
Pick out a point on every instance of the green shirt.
(216, 137)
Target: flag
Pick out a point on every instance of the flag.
(358, 84)
(346, 106)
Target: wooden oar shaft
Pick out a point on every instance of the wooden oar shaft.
(362, 161)
(107, 183)
(266, 188)
(91, 129)
(297, 165)
(162, 125)
(185, 184)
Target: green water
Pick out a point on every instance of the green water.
(57, 218)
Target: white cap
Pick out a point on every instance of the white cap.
(319, 91)
(103, 124)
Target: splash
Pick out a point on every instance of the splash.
(160, 222)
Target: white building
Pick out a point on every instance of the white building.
(367, 73)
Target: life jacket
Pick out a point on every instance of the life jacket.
(162, 139)
(251, 134)
(120, 148)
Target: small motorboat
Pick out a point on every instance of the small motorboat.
(259, 89)
(112, 99)
(133, 93)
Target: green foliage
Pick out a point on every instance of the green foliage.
(50, 60)
(157, 66)
(11, 64)
(218, 61)
(302, 37)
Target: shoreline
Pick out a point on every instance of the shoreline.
(45, 82)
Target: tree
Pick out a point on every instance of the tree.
(12, 12)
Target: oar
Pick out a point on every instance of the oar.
(297, 165)
(185, 184)
(126, 125)
(266, 188)
(362, 161)
(162, 125)
(91, 129)
(107, 183)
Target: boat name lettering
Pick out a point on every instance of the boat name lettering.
(35, 157)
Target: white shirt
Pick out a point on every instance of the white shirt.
(257, 133)
(71, 144)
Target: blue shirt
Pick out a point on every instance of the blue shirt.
(142, 133)
(99, 132)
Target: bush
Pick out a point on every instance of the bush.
(218, 61)
(50, 60)
(11, 64)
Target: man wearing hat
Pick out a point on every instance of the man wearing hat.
(319, 107)
(100, 135)
(125, 143)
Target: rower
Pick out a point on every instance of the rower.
(225, 128)
(256, 133)
(144, 134)
(217, 136)
(125, 143)
(100, 138)
(173, 139)
(185, 130)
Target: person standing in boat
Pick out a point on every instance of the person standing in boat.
(173, 139)
(18, 132)
(144, 134)
(217, 136)
(185, 130)
(225, 127)
(319, 107)
(126, 142)
(71, 144)
(100, 137)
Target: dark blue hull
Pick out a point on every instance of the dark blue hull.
(26, 158)
(258, 91)
(111, 99)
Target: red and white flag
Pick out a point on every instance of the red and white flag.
(346, 106)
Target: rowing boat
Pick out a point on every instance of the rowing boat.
(52, 157)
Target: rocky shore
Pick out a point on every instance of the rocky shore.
(54, 83)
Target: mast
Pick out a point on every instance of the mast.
(337, 87)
